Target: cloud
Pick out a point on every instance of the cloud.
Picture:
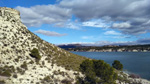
(128, 16)
(112, 33)
(96, 9)
(121, 37)
(37, 15)
(121, 25)
(49, 33)
(71, 25)
(95, 23)
(43, 14)
(135, 12)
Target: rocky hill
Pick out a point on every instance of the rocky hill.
(27, 59)
(18, 66)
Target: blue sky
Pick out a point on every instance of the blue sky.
(86, 22)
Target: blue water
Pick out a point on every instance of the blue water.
(133, 62)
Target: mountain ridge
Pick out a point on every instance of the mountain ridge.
(107, 48)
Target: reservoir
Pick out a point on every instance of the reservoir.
(133, 62)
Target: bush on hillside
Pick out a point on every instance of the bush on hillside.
(35, 54)
(117, 65)
(7, 70)
(6, 73)
(97, 72)
(24, 66)
(66, 81)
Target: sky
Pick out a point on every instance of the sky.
(86, 22)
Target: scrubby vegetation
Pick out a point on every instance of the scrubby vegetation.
(24, 66)
(117, 65)
(69, 61)
(6, 71)
(66, 81)
(97, 72)
(47, 79)
(35, 54)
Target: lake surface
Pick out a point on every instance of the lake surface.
(133, 62)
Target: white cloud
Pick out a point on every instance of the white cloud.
(112, 33)
(43, 14)
(95, 23)
(134, 14)
(49, 33)
(121, 25)
(73, 26)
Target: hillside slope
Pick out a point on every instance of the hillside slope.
(17, 66)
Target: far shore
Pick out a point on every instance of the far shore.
(109, 51)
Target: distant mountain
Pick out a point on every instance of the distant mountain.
(70, 46)
(109, 48)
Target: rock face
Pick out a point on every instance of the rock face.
(16, 64)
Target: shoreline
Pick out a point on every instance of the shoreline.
(108, 51)
(136, 79)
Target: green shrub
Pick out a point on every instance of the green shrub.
(19, 70)
(104, 71)
(117, 65)
(15, 76)
(24, 66)
(97, 71)
(66, 81)
(6, 73)
(35, 54)
(31, 62)
(46, 80)
(7, 70)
